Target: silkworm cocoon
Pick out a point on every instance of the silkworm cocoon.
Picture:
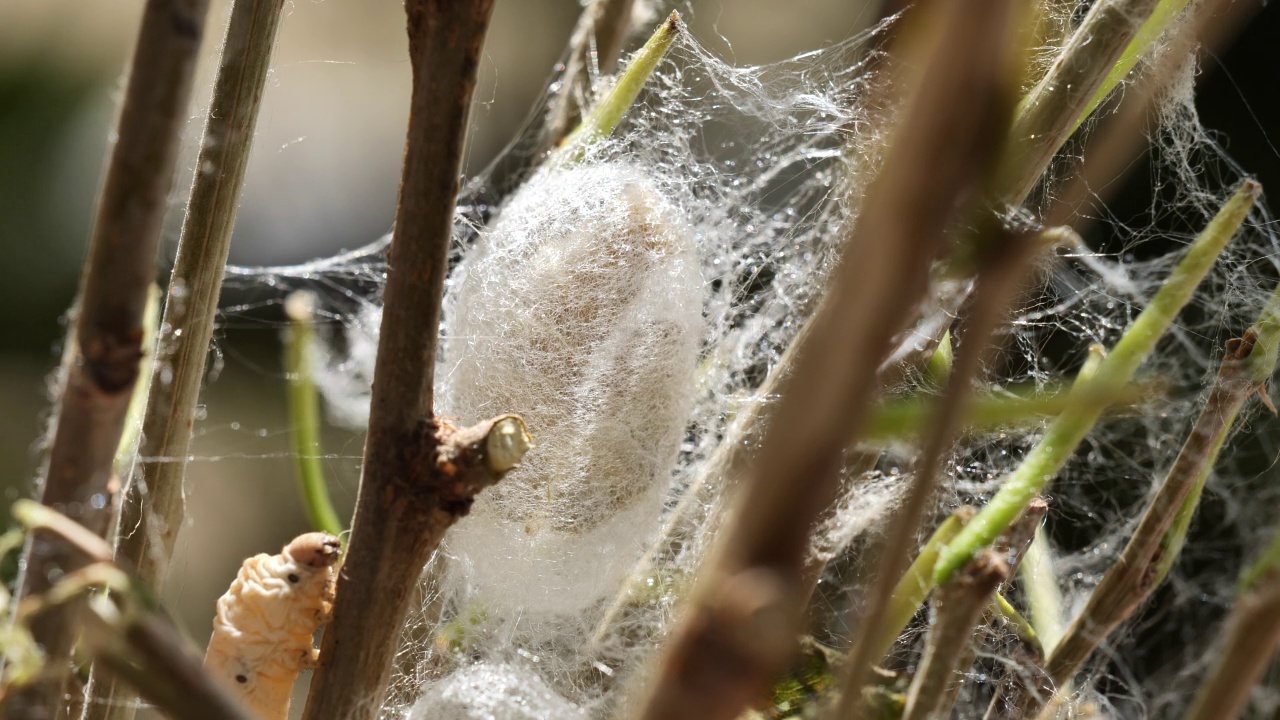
(262, 633)
(493, 691)
(579, 309)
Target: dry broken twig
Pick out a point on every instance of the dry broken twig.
(128, 631)
(603, 26)
(957, 609)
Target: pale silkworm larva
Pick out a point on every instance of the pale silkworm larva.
(264, 627)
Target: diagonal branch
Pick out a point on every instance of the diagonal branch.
(958, 607)
(739, 631)
(1252, 637)
(127, 631)
(420, 474)
(1137, 572)
(120, 268)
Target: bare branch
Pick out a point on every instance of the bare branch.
(1253, 633)
(413, 487)
(164, 669)
(119, 269)
(713, 669)
(153, 507)
(958, 608)
(1052, 111)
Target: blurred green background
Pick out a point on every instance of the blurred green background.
(322, 178)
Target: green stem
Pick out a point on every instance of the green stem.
(605, 116)
(917, 583)
(1138, 47)
(1264, 569)
(304, 415)
(1048, 114)
(1133, 576)
(903, 419)
(1021, 626)
(938, 369)
(128, 446)
(1044, 599)
(1070, 428)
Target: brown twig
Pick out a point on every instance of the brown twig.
(1253, 634)
(420, 475)
(1111, 151)
(128, 631)
(153, 507)
(167, 671)
(722, 658)
(957, 609)
(1130, 580)
(118, 271)
(1051, 111)
(602, 25)
(1004, 265)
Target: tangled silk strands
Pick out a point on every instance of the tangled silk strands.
(629, 306)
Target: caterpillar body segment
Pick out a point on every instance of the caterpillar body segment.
(265, 622)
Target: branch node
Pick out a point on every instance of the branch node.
(471, 459)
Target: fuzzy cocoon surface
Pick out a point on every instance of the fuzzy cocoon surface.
(580, 309)
(493, 691)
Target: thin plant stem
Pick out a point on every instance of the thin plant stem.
(1160, 19)
(957, 609)
(1005, 260)
(153, 508)
(1050, 113)
(1112, 149)
(603, 25)
(916, 584)
(128, 630)
(938, 369)
(605, 116)
(1135, 574)
(739, 630)
(119, 270)
(1018, 622)
(127, 450)
(1040, 587)
(1044, 598)
(1069, 429)
(304, 414)
(903, 419)
(420, 473)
